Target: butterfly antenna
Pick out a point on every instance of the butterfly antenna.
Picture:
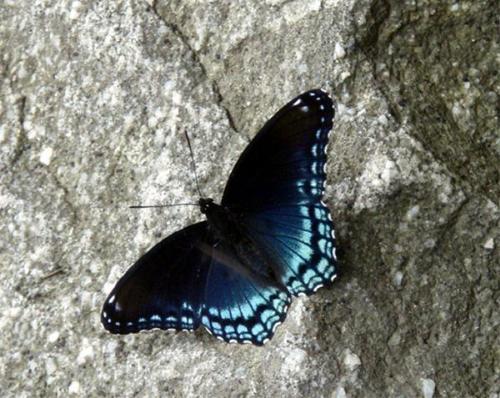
(193, 164)
(159, 206)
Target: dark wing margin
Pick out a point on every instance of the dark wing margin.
(278, 185)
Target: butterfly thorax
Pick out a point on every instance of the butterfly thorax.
(227, 229)
(222, 221)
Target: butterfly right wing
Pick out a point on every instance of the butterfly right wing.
(277, 187)
(190, 279)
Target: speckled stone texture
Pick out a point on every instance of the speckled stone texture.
(94, 97)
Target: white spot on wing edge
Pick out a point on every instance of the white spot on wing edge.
(208, 330)
(275, 326)
(111, 299)
(297, 102)
(318, 287)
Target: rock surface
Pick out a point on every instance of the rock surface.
(94, 97)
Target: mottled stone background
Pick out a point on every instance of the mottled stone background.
(94, 97)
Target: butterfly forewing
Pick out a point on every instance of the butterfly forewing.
(164, 289)
(277, 185)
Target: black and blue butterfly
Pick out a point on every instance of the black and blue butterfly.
(271, 238)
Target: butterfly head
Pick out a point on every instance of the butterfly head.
(205, 204)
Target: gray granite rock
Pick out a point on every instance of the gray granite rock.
(94, 97)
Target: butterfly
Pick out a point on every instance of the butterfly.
(271, 238)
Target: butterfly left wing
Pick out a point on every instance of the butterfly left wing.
(164, 289)
(190, 279)
(277, 187)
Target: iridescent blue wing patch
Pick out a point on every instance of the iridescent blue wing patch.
(190, 279)
(278, 185)
(240, 305)
(301, 242)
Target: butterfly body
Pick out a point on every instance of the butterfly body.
(227, 227)
(221, 220)
(271, 238)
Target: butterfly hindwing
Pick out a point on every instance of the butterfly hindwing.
(300, 240)
(240, 305)
(278, 183)
(189, 279)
